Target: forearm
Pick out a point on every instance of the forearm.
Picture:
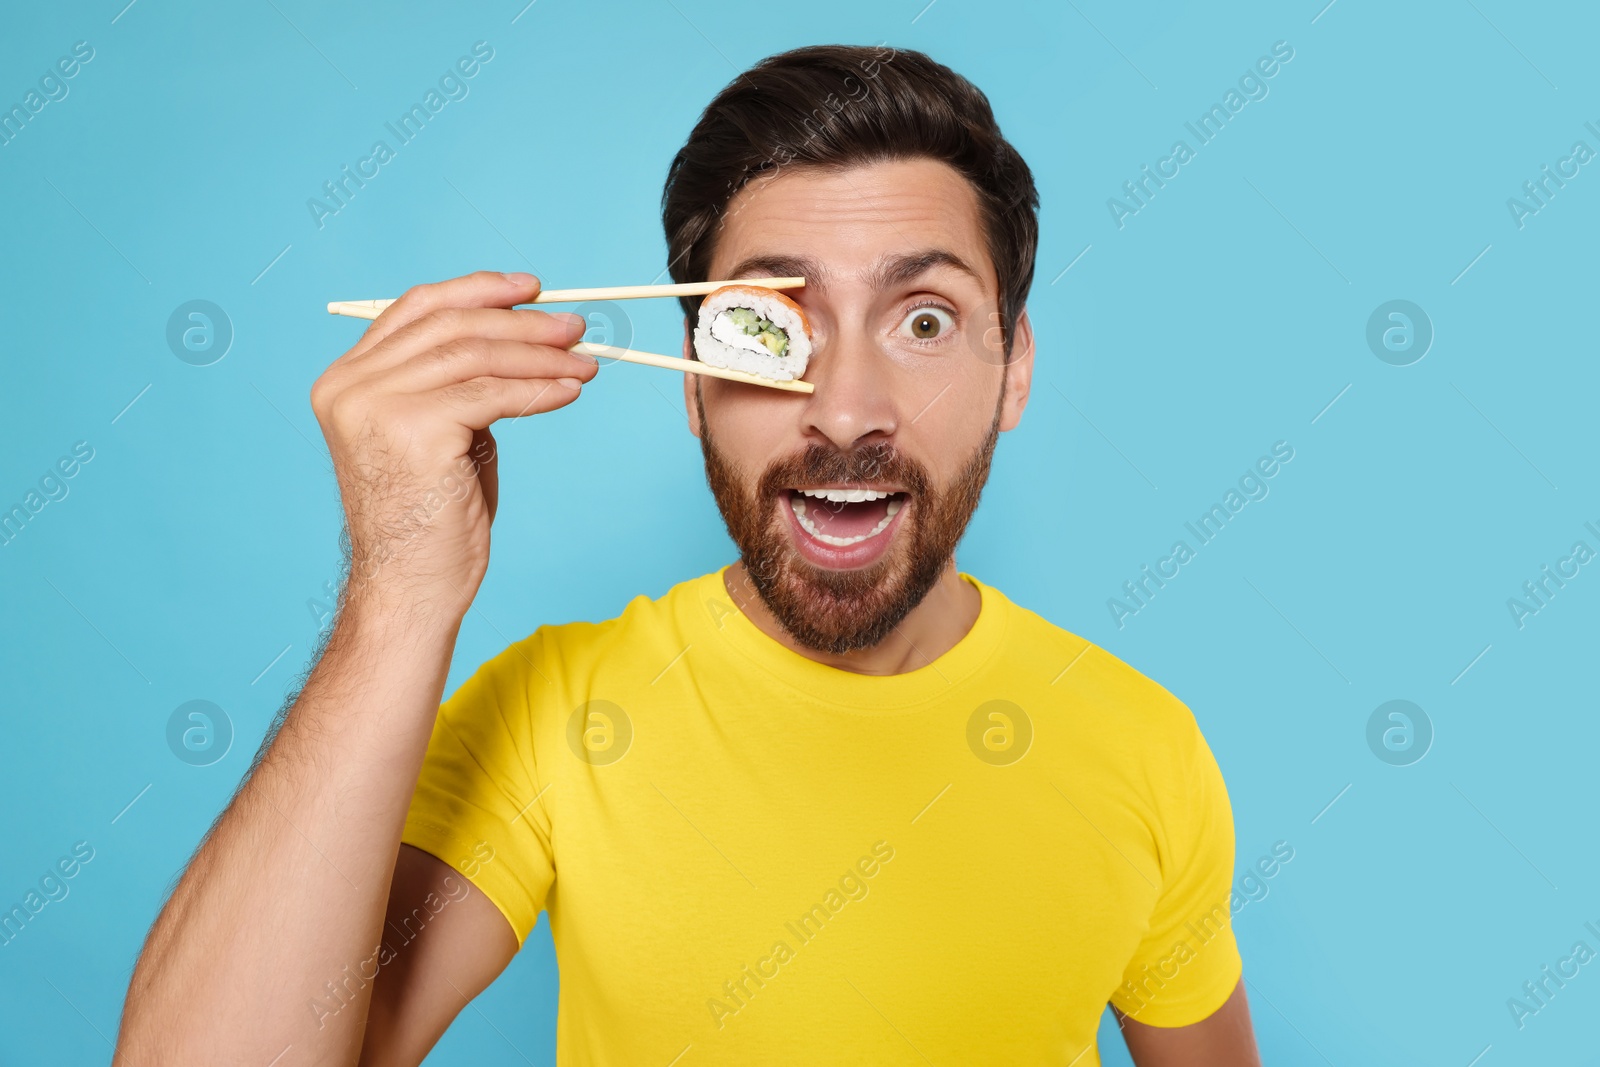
(287, 894)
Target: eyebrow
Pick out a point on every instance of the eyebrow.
(888, 272)
(897, 270)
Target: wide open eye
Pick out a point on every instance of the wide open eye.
(927, 323)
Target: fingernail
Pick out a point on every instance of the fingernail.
(521, 278)
(568, 317)
(570, 383)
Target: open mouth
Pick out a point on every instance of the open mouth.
(844, 526)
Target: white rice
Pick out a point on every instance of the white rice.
(721, 343)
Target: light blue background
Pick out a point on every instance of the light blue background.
(1224, 316)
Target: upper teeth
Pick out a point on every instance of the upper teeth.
(799, 508)
(845, 496)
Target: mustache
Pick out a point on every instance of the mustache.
(876, 461)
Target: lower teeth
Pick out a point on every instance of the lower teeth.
(798, 504)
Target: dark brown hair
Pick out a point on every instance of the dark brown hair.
(834, 106)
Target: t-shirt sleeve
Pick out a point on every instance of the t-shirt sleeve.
(1188, 961)
(479, 805)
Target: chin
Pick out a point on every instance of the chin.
(839, 568)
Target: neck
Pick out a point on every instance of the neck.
(930, 630)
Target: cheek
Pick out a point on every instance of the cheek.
(950, 420)
(750, 431)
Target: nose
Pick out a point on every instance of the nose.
(854, 400)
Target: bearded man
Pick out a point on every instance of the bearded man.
(837, 801)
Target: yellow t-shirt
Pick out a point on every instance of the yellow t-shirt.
(762, 859)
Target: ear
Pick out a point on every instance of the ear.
(1019, 373)
(690, 381)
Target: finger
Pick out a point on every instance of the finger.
(484, 289)
(478, 357)
(479, 402)
(444, 326)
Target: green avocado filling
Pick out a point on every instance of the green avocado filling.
(773, 338)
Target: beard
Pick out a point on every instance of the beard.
(839, 611)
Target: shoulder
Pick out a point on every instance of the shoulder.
(560, 654)
(1097, 688)
(1104, 721)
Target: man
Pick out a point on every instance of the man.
(836, 802)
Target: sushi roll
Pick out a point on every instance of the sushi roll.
(748, 328)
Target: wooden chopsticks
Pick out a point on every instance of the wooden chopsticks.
(371, 309)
